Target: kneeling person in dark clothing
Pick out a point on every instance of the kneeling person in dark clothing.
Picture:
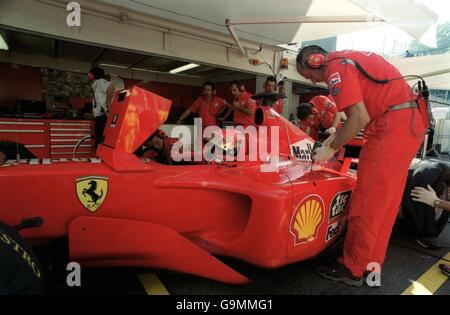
(429, 197)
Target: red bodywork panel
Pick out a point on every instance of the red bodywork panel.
(356, 142)
(119, 210)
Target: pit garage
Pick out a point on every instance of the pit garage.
(116, 212)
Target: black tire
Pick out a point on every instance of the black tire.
(20, 271)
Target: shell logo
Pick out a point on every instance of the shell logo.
(307, 219)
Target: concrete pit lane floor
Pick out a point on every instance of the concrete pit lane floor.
(409, 269)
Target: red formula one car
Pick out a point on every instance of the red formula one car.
(120, 210)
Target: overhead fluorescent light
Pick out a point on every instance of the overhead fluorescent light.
(184, 68)
(144, 70)
(112, 66)
(3, 44)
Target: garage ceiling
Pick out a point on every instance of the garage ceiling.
(39, 45)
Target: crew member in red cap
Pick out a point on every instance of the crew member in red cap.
(374, 96)
(243, 90)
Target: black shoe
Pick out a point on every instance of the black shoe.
(427, 244)
(445, 269)
(340, 273)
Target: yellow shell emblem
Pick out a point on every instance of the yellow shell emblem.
(91, 191)
(307, 219)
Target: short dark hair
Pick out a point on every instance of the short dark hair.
(271, 79)
(304, 110)
(281, 83)
(306, 51)
(98, 73)
(235, 82)
(213, 87)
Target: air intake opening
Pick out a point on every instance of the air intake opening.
(259, 117)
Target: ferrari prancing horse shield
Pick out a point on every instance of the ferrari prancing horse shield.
(91, 191)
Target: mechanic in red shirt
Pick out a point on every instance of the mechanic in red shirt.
(330, 117)
(319, 114)
(243, 105)
(309, 121)
(374, 96)
(208, 106)
(270, 87)
(243, 90)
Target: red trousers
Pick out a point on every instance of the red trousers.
(392, 142)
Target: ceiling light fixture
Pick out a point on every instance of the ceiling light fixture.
(184, 68)
(3, 44)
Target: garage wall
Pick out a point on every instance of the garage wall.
(18, 82)
(25, 82)
(83, 67)
(102, 25)
(181, 95)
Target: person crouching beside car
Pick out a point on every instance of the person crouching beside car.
(429, 197)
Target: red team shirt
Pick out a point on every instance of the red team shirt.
(246, 94)
(208, 109)
(324, 112)
(313, 126)
(279, 107)
(239, 117)
(349, 86)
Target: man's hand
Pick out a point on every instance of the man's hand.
(329, 139)
(330, 131)
(179, 122)
(323, 154)
(428, 197)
